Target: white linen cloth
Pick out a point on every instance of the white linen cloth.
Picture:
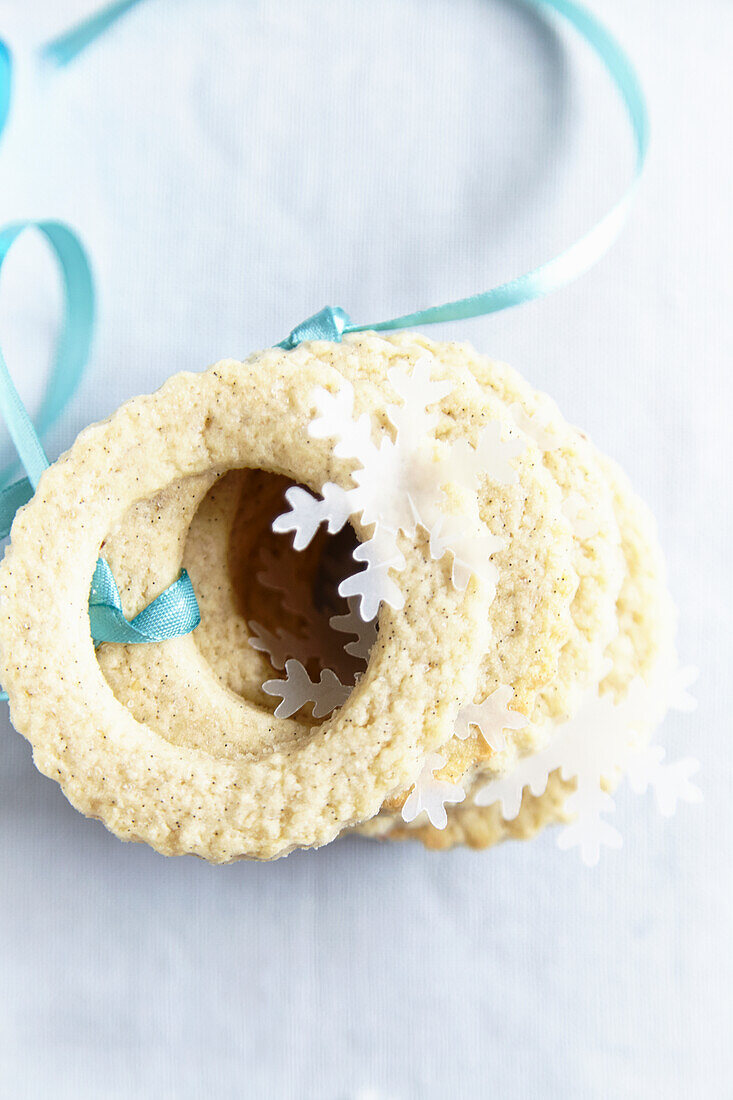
(232, 167)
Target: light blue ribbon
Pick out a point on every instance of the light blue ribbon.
(171, 614)
(72, 350)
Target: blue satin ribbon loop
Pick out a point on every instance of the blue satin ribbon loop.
(175, 611)
(171, 614)
(328, 324)
(73, 347)
(20, 427)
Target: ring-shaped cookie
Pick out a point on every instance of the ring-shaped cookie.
(528, 619)
(285, 791)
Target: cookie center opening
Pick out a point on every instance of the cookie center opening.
(265, 605)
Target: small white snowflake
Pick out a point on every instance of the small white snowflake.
(399, 485)
(294, 590)
(535, 426)
(352, 623)
(307, 513)
(491, 718)
(600, 743)
(471, 545)
(280, 644)
(374, 585)
(431, 795)
(582, 516)
(297, 690)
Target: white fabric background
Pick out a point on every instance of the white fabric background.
(233, 167)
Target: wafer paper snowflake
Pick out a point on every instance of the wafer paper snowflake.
(399, 486)
(280, 644)
(602, 742)
(491, 718)
(295, 592)
(365, 633)
(297, 690)
(583, 517)
(535, 426)
(313, 637)
(431, 795)
(668, 688)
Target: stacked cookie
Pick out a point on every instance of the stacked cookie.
(429, 608)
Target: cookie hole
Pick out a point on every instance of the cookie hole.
(262, 602)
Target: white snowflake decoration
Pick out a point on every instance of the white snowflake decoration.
(471, 550)
(352, 623)
(670, 683)
(280, 644)
(332, 509)
(669, 781)
(295, 592)
(491, 718)
(374, 584)
(582, 516)
(430, 795)
(601, 742)
(399, 486)
(314, 638)
(535, 426)
(297, 690)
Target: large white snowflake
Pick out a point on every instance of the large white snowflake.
(598, 745)
(399, 486)
(430, 795)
